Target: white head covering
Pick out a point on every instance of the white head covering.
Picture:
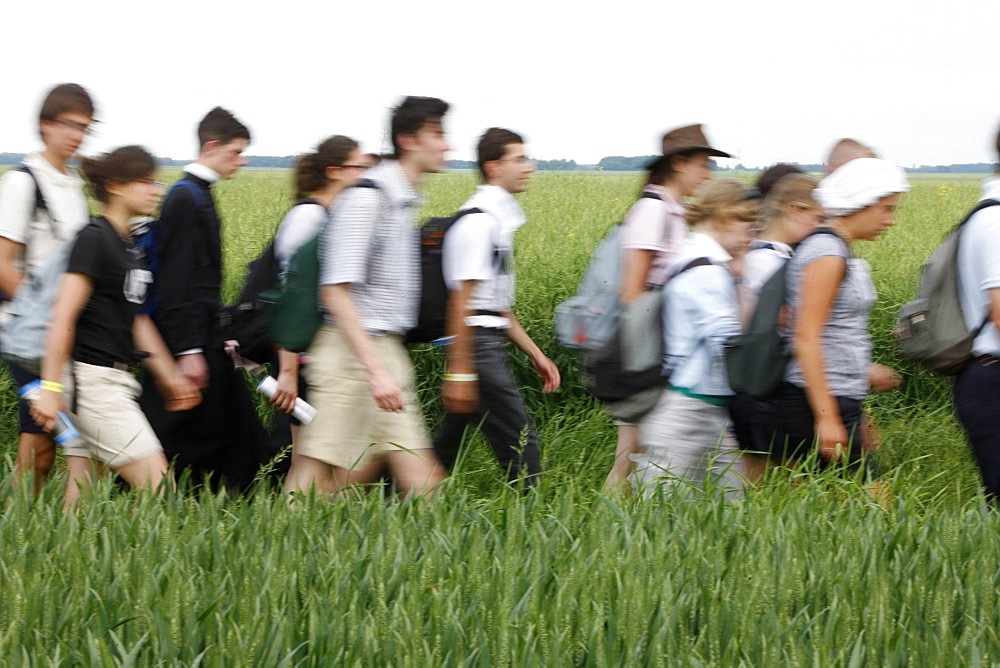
(859, 183)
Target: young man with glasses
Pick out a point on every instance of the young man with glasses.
(42, 208)
(479, 387)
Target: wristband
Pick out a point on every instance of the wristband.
(462, 377)
(51, 386)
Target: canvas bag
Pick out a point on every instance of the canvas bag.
(605, 373)
(588, 319)
(931, 329)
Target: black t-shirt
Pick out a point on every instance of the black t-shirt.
(120, 278)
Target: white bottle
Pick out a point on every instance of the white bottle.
(303, 412)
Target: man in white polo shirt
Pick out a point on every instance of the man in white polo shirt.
(42, 207)
(977, 387)
(478, 268)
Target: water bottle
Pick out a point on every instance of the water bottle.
(64, 433)
(303, 412)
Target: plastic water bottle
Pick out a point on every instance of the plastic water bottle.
(64, 433)
(303, 412)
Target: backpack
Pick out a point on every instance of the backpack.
(931, 329)
(756, 359)
(606, 374)
(146, 236)
(22, 339)
(589, 319)
(249, 320)
(296, 312)
(433, 314)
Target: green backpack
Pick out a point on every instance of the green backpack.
(296, 309)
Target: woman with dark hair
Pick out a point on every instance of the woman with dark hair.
(320, 177)
(652, 233)
(95, 322)
(830, 293)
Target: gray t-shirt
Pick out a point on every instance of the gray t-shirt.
(846, 344)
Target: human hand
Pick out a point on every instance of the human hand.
(833, 438)
(45, 407)
(194, 366)
(549, 372)
(287, 391)
(883, 379)
(460, 396)
(179, 393)
(385, 390)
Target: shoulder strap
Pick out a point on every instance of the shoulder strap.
(194, 188)
(697, 262)
(40, 203)
(649, 195)
(985, 204)
(366, 183)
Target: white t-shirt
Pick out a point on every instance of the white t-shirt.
(41, 232)
(979, 269)
(479, 247)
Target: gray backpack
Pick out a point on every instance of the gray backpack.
(931, 329)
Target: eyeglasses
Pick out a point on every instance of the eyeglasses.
(519, 160)
(150, 182)
(86, 129)
(353, 166)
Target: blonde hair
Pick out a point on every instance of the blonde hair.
(721, 199)
(791, 190)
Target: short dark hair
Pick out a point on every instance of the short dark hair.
(310, 169)
(220, 125)
(124, 165)
(65, 98)
(493, 144)
(413, 113)
(770, 176)
(662, 169)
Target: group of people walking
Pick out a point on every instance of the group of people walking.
(708, 244)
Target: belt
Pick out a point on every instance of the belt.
(987, 360)
(127, 367)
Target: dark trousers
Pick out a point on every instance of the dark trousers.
(977, 397)
(796, 437)
(501, 412)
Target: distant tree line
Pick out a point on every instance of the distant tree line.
(612, 163)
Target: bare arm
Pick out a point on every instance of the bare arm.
(288, 381)
(384, 388)
(635, 274)
(460, 396)
(820, 281)
(10, 274)
(72, 296)
(179, 392)
(545, 367)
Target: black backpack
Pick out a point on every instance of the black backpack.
(248, 320)
(756, 359)
(433, 316)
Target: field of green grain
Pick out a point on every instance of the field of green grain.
(807, 570)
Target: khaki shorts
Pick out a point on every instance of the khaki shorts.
(349, 427)
(114, 429)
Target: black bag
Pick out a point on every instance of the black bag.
(433, 316)
(605, 374)
(756, 359)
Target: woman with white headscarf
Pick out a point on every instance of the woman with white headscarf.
(830, 294)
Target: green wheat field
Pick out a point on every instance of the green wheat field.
(807, 570)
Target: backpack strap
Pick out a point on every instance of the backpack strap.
(646, 194)
(984, 204)
(697, 262)
(40, 203)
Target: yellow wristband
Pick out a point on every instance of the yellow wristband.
(462, 377)
(51, 386)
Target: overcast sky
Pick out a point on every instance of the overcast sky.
(919, 80)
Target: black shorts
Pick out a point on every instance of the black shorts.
(22, 377)
(796, 437)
